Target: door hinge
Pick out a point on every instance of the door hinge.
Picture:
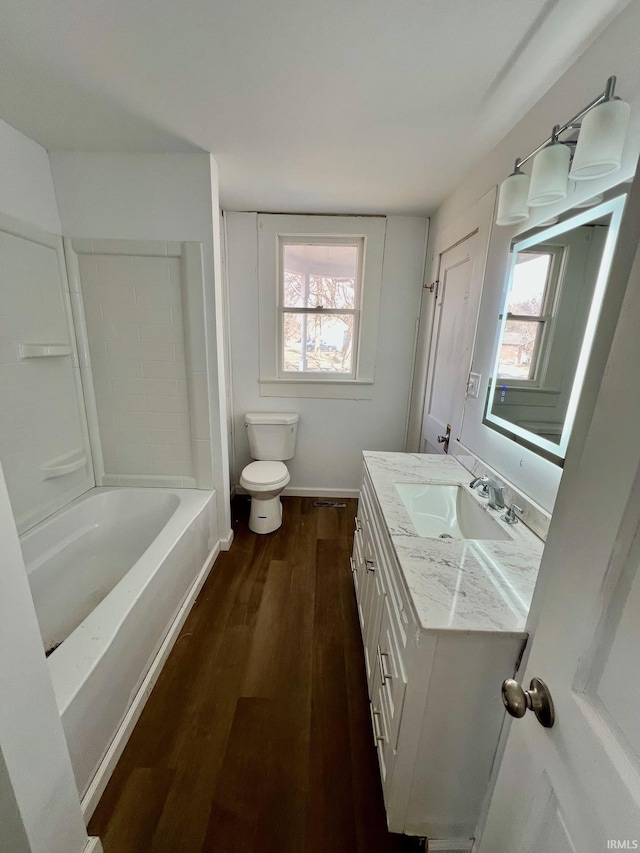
(521, 655)
(433, 287)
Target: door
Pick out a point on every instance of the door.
(576, 786)
(457, 292)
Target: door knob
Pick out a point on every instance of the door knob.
(445, 439)
(537, 699)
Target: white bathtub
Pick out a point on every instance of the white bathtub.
(110, 573)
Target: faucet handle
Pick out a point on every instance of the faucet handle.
(481, 481)
(511, 515)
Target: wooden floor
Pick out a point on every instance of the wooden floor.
(257, 736)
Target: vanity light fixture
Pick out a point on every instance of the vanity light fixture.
(602, 127)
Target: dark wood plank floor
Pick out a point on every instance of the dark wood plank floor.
(257, 736)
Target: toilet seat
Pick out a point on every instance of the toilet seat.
(263, 474)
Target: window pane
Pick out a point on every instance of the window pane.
(530, 276)
(327, 347)
(518, 349)
(319, 275)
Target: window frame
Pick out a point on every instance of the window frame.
(271, 230)
(355, 312)
(546, 319)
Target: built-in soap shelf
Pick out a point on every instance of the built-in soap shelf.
(43, 350)
(63, 465)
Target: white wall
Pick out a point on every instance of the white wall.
(169, 197)
(26, 186)
(614, 52)
(332, 433)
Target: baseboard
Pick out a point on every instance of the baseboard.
(93, 845)
(225, 542)
(321, 493)
(301, 492)
(108, 763)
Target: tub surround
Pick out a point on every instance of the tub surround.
(44, 446)
(455, 585)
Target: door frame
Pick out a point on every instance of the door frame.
(442, 237)
(437, 288)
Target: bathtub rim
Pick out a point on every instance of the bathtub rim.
(71, 664)
(39, 530)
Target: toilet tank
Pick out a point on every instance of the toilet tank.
(272, 435)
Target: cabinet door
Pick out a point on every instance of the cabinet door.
(380, 727)
(380, 740)
(362, 579)
(357, 563)
(387, 697)
(393, 679)
(374, 614)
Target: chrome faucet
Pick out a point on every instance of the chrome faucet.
(492, 489)
(496, 499)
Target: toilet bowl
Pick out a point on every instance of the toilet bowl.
(272, 438)
(264, 481)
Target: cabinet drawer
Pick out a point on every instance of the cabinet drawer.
(380, 740)
(386, 558)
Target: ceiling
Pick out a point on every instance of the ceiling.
(360, 106)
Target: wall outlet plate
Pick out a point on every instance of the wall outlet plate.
(473, 385)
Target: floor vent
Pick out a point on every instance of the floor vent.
(338, 504)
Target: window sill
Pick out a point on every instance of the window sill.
(330, 389)
(528, 388)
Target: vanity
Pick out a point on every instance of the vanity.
(443, 588)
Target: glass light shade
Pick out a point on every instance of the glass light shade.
(549, 176)
(601, 140)
(512, 200)
(590, 202)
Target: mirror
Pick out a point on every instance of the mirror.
(556, 285)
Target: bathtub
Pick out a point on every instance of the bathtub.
(113, 575)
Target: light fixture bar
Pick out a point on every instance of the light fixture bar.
(607, 95)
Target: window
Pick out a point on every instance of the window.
(320, 286)
(530, 306)
(319, 280)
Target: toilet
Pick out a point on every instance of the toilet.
(272, 439)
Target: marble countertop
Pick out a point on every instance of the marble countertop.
(456, 585)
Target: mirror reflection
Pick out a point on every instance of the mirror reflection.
(557, 281)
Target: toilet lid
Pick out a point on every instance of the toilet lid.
(264, 473)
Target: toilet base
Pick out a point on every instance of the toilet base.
(266, 514)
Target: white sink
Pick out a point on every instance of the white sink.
(447, 511)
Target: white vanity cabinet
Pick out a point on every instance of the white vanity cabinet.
(436, 710)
